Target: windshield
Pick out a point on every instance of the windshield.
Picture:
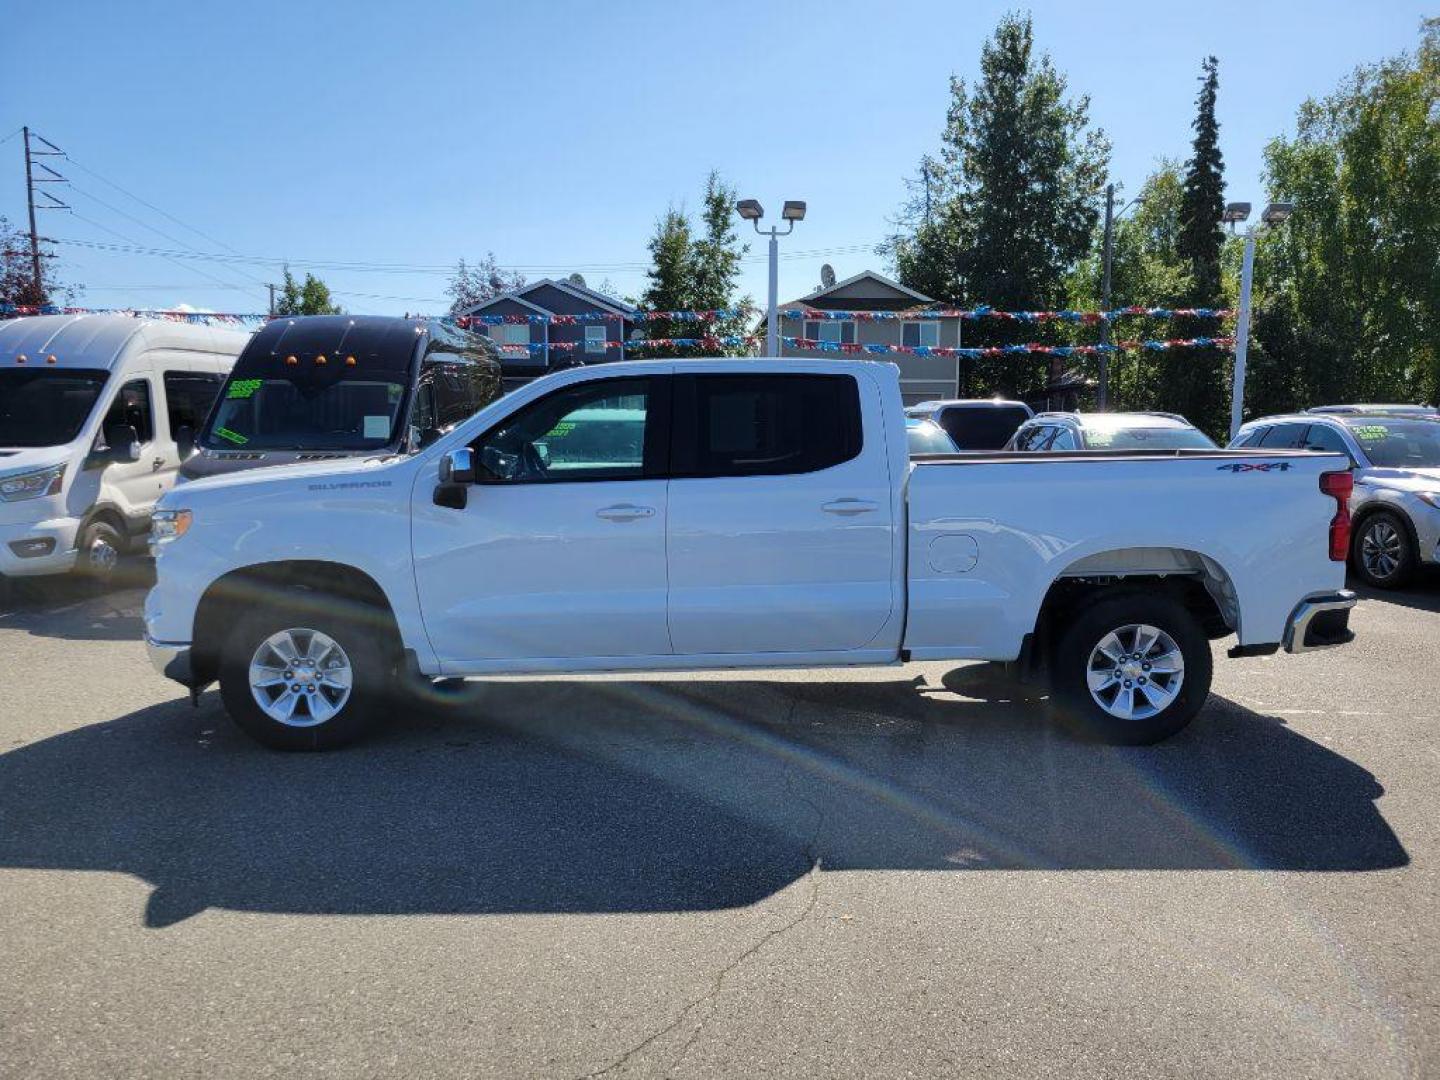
(1398, 444)
(1166, 438)
(982, 427)
(928, 439)
(307, 411)
(48, 406)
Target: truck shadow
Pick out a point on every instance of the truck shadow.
(639, 796)
(71, 608)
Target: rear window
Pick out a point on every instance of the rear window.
(982, 427)
(1140, 438)
(765, 425)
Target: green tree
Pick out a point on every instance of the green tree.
(17, 273)
(1193, 382)
(1351, 283)
(1012, 199)
(474, 283)
(310, 297)
(696, 267)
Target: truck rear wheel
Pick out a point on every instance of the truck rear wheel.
(302, 679)
(1133, 668)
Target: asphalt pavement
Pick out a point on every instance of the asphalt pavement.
(903, 872)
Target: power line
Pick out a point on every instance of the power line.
(418, 268)
(129, 239)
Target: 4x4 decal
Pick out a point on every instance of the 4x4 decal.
(1246, 466)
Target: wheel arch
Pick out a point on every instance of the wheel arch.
(330, 589)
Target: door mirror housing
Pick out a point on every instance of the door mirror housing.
(458, 467)
(123, 442)
(185, 441)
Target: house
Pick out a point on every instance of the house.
(531, 348)
(922, 378)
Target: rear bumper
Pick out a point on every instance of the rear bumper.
(171, 659)
(1320, 621)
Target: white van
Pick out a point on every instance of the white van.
(96, 414)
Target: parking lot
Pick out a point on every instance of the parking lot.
(896, 872)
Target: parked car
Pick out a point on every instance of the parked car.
(1396, 458)
(333, 386)
(1421, 410)
(769, 515)
(96, 412)
(927, 437)
(1060, 431)
(975, 424)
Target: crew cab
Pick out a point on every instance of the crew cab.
(737, 513)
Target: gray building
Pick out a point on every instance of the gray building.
(922, 378)
(591, 342)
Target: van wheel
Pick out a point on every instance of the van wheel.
(97, 551)
(1381, 552)
(297, 680)
(1132, 669)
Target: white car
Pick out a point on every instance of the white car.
(1396, 462)
(974, 423)
(96, 414)
(736, 513)
(1062, 431)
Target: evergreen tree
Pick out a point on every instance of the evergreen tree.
(670, 277)
(1194, 382)
(17, 276)
(310, 297)
(1012, 200)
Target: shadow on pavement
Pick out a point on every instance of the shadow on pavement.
(72, 608)
(637, 796)
(1423, 593)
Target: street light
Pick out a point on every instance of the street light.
(1274, 214)
(752, 211)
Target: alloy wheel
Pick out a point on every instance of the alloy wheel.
(300, 677)
(1135, 671)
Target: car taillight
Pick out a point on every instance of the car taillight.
(1339, 486)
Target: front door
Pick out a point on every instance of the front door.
(781, 524)
(560, 550)
(135, 485)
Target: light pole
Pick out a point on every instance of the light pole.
(752, 211)
(1273, 214)
(1107, 261)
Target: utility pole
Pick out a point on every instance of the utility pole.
(1105, 295)
(272, 298)
(30, 198)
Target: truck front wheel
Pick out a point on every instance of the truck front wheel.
(302, 679)
(1133, 668)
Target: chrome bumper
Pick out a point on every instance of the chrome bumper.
(171, 659)
(1319, 622)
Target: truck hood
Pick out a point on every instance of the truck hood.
(257, 481)
(1402, 479)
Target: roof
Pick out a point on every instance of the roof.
(1111, 421)
(580, 292)
(99, 340)
(873, 276)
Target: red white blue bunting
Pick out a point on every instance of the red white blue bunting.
(813, 345)
(975, 314)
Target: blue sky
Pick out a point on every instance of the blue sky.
(554, 133)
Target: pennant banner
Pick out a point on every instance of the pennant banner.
(708, 316)
(204, 318)
(812, 345)
(972, 314)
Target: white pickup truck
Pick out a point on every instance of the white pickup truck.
(741, 513)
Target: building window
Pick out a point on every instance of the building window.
(595, 340)
(841, 331)
(915, 334)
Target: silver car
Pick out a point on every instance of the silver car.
(1059, 431)
(1396, 506)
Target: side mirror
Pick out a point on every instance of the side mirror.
(185, 441)
(124, 443)
(458, 467)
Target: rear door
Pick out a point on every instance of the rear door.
(781, 525)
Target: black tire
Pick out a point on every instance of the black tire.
(97, 551)
(371, 666)
(1383, 541)
(1091, 625)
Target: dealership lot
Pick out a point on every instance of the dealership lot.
(893, 872)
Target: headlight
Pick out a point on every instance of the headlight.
(167, 525)
(1431, 497)
(18, 487)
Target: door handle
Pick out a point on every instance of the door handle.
(625, 512)
(159, 463)
(850, 507)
